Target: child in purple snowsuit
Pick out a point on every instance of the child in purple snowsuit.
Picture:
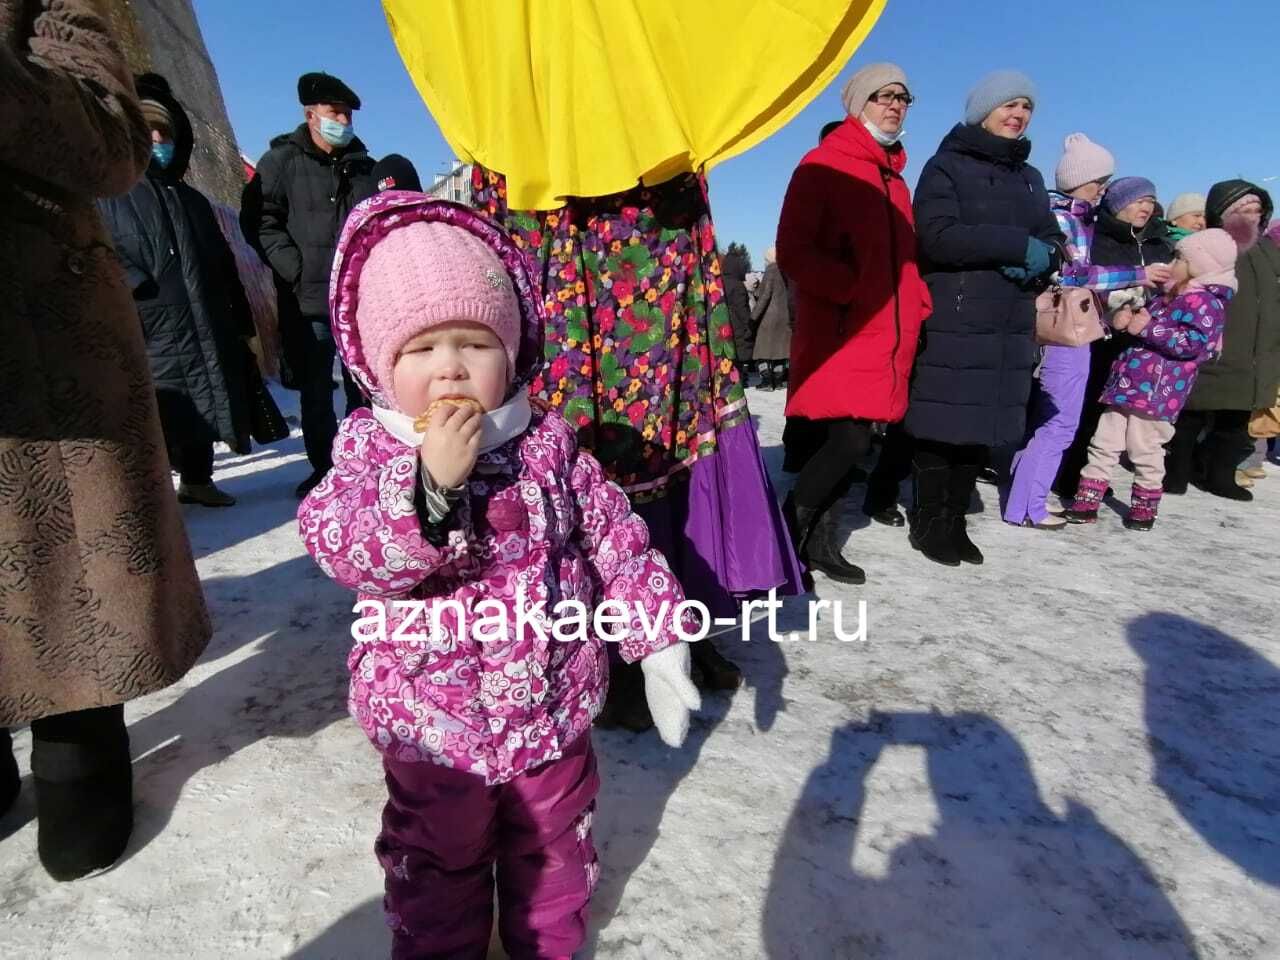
(485, 508)
(1081, 178)
(1150, 382)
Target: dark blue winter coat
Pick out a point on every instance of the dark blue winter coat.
(977, 203)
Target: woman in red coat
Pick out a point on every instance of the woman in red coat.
(847, 241)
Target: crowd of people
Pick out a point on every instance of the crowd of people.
(547, 404)
(932, 321)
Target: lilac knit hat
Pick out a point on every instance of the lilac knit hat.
(1126, 190)
(424, 274)
(1083, 161)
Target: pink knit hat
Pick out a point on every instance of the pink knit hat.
(424, 274)
(1211, 255)
(1083, 161)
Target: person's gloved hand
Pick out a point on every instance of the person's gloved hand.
(1039, 257)
(1016, 274)
(669, 692)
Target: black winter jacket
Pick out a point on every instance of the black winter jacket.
(1247, 374)
(738, 301)
(977, 204)
(293, 209)
(190, 300)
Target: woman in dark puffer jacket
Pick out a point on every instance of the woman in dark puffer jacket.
(988, 243)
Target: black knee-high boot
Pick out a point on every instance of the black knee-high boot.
(84, 790)
(960, 485)
(10, 782)
(931, 522)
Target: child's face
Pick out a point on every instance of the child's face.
(1181, 274)
(456, 359)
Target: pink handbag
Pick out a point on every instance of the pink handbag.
(1068, 317)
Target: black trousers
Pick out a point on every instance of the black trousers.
(315, 384)
(891, 469)
(194, 462)
(828, 474)
(355, 397)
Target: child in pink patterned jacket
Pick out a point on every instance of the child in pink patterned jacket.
(493, 512)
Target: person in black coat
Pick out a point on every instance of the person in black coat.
(734, 272)
(195, 316)
(988, 243)
(1127, 233)
(291, 212)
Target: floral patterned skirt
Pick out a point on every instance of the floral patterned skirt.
(640, 358)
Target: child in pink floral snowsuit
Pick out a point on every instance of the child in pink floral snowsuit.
(484, 734)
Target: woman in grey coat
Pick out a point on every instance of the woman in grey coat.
(772, 319)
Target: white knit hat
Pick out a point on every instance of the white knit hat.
(1185, 203)
(1083, 161)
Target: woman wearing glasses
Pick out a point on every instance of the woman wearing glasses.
(847, 242)
(988, 242)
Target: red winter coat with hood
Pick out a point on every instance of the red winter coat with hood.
(847, 242)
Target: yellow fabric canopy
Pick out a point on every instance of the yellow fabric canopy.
(589, 97)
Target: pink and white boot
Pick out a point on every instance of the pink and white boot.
(1143, 508)
(1084, 508)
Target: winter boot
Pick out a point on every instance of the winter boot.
(10, 782)
(1089, 497)
(1143, 508)
(960, 487)
(84, 790)
(821, 549)
(1220, 479)
(712, 670)
(766, 377)
(930, 531)
(205, 494)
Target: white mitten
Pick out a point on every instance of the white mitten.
(670, 692)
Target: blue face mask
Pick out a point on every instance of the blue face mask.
(162, 154)
(336, 134)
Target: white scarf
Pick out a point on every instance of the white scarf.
(508, 421)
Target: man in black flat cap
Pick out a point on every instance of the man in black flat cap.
(292, 211)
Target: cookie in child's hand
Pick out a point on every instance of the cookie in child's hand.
(420, 423)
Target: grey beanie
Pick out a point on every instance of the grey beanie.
(995, 89)
(863, 85)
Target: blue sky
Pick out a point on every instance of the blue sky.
(1130, 77)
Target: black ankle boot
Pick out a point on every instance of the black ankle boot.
(10, 782)
(821, 549)
(84, 791)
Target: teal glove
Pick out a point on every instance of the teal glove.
(1039, 257)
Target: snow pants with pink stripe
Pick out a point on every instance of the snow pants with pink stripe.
(447, 839)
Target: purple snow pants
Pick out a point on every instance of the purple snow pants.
(444, 832)
(1064, 375)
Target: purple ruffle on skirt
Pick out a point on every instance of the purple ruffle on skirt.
(721, 528)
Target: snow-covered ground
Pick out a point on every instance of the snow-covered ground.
(1070, 752)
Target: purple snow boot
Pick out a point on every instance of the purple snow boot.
(1084, 508)
(1143, 508)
